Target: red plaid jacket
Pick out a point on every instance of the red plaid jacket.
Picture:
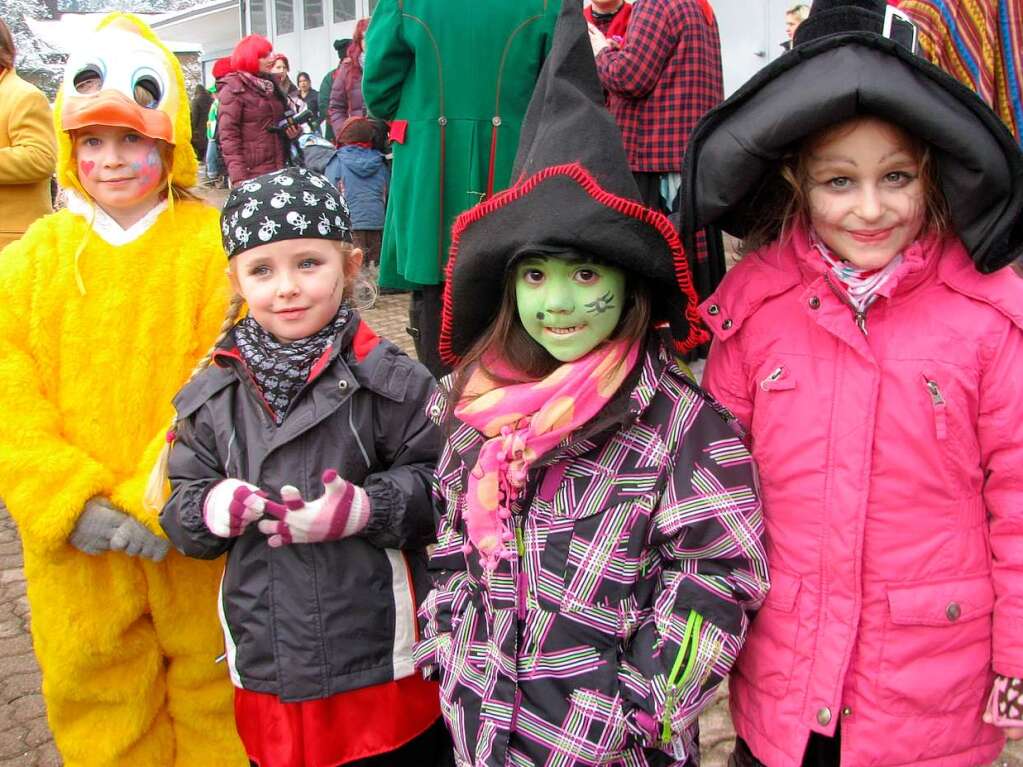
(663, 79)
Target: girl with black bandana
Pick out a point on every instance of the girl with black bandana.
(302, 450)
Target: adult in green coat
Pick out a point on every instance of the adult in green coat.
(454, 78)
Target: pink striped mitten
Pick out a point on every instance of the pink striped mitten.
(342, 510)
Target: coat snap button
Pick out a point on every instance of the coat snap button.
(442, 121)
(435, 411)
(846, 711)
(342, 384)
(824, 716)
(815, 303)
(726, 324)
(713, 309)
(496, 121)
(953, 611)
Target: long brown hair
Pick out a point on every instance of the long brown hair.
(7, 49)
(783, 197)
(508, 339)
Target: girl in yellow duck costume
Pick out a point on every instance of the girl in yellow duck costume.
(99, 327)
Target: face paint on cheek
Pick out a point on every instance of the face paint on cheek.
(86, 167)
(600, 305)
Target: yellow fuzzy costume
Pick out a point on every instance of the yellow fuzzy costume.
(127, 646)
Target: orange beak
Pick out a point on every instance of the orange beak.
(110, 107)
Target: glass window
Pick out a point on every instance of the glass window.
(313, 13)
(344, 10)
(284, 11)
(258, 10)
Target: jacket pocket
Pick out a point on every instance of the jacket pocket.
(936, 652)
(950, 431)
(768, 657)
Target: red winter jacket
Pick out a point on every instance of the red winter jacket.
(249, 107)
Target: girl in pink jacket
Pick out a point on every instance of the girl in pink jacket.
(872, 345)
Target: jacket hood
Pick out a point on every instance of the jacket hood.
(843, 67)
(363, 161)
(126, 55)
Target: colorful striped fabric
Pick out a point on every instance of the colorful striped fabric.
(639, 554)
(979, 42)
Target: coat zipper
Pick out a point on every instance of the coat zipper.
(860, 317)
(940, 409)
(686, 652)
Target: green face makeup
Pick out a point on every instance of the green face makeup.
(568, 306)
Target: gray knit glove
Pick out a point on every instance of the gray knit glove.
(134, 539)
(103, 527)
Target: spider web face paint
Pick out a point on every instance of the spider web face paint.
(568, 306)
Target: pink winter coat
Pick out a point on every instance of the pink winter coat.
(892, 481)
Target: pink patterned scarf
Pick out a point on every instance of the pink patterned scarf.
(524, 421)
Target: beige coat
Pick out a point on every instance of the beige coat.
(28, 155)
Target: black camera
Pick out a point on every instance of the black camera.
(294, 118)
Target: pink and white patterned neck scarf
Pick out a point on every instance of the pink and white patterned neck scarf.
(523, 422)
(861, 285)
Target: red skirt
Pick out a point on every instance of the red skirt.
(342, 728)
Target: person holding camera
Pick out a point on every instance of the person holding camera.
(255, 123)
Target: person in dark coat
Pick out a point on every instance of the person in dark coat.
(251, 109)
(600, 550)
(308, 94)
(202, 100)
(346, 91)
(323, 99)
(306, 416)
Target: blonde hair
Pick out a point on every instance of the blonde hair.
(800, 11)
(783, 197)
(156, 488)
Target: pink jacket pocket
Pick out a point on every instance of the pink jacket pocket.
(936, 652)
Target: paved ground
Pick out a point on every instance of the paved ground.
(24, 737)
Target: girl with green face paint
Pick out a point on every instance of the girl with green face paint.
(568, 305)
(584, 475)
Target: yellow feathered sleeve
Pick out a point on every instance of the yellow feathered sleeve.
(44, 479)
(129, 494)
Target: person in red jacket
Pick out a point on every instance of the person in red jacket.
(660, 81)
(251, 109)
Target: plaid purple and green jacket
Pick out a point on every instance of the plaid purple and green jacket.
(640, 556)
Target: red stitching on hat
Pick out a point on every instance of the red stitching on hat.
(576, 172)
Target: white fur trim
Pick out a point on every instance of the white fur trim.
(108, 229)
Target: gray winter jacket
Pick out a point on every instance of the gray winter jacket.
(307, 621)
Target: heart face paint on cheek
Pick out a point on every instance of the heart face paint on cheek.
(86, 166)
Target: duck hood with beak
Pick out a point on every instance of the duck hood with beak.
(124, 76)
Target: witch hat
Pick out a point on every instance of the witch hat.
(851, 58)
(573, 192)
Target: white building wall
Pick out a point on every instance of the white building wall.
(305, 30)
(751, 35)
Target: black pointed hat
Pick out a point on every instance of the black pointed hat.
(573, 191)
(850, 58)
